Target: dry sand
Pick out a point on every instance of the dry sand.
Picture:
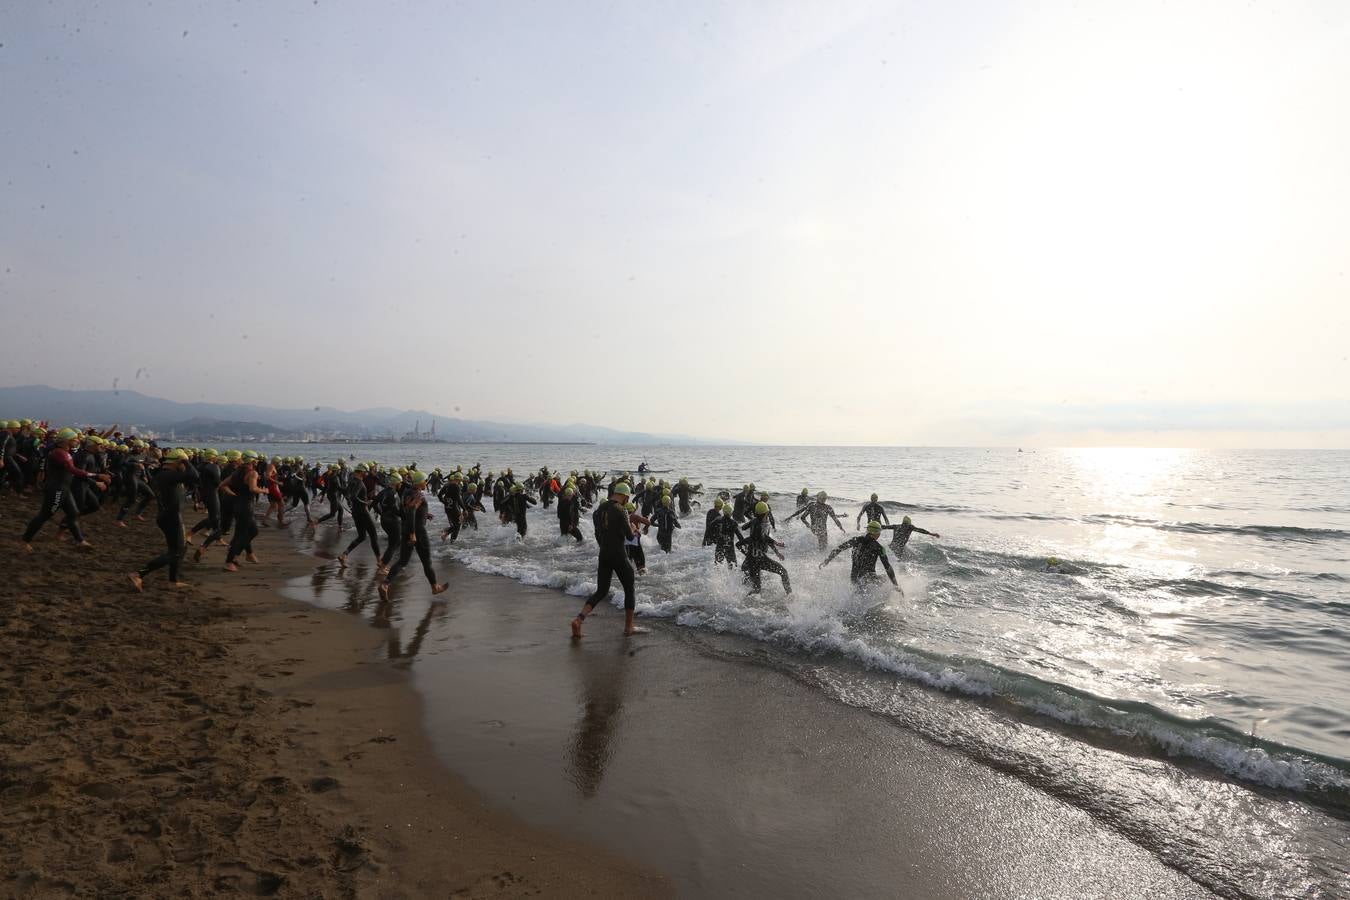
(226, 740)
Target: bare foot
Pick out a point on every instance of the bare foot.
(576, 627)
(120, 524)
(231, 567)
(636, 629)
(251, 557)
(197, 554)
(180, 584)
(439, 588)
(383, 589)
(136, 584)
(85, 546)
(27, 547)
(342, 560)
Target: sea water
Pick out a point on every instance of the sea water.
(1184, 676)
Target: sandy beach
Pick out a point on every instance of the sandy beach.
(226, 740)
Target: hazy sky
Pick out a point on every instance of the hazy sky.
(914, 223)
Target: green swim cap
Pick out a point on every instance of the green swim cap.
(568, 492)
(874, 526)
(516, 489)
(622, 489)
(718, 504)
(177, 454)
(67, 434)
(395, 479)
(1053, 561)
(631, 507)
(874, 498)
(822, 496)
(907, 520)
(665, 501)
(361, 467)
(761, 508)
(418, 478)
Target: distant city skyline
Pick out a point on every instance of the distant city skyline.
(849, 223)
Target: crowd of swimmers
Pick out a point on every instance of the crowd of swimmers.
(81, 472)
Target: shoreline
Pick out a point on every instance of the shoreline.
(254, 744)
(735, 779)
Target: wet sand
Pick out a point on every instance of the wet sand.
(226, 740)
(679, 749)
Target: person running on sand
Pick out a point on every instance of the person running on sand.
(242, 487)
(56, 492)
(612, 530)
(175, 472)
(358, 495)
(415, 538)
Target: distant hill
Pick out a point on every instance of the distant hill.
(129, 408)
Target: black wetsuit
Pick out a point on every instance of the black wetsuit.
(867, 551)
(666, 522)
(208, 487)
(900, 535)
(168, 484)
(389, 507)
(245, 527)
(682, 492)
(414, 528)
(514, 507)
(724, 534)
(757, 544)
(873, 510)
(611, 530)
(365, 525)
(134, 487)
(294, 487)
(452, 501)
(713, 515)
(820, 515)
(569, 516)
(57, 495)
(12, 471)
(332, 489)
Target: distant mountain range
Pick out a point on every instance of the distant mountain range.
(131, 408)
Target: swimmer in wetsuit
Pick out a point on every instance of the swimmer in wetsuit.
(873, 510)
(867, 551)
(56, 491)
(612, 530)
(819, 512)
(176, 473)
(666, 522)
(414, 529)
(757, 545)
(358, 496)
(900, 534)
